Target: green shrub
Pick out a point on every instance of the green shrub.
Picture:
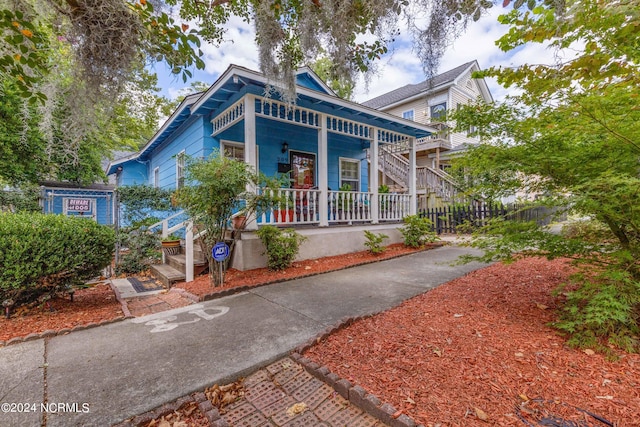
(143, 250)
(417, 231)
(374, 242)
(602, 311)
(44, 253)
(281, 246)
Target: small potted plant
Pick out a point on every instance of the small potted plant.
(171, 244)
(239, 220)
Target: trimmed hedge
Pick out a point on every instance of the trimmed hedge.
(44, 253)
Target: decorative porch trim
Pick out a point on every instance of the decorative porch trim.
(348, 127)
(228, 117)
(280, 111)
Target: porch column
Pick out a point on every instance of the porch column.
(250, 148)
(323, 173)
(373, 176)
(413, 203)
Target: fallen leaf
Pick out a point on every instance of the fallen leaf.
(164, 423)
(523, 397)
(296, 409)
(458, 315)
(437, 351)
(605, 397)
(481, 414)
(589, 352)
(410, 401)
(519, 354)
(541, 306)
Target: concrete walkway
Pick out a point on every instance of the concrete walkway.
(101, 376)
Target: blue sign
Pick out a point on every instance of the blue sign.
(220, 251)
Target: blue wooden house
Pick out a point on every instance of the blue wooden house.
(326, 144)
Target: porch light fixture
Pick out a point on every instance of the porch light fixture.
(285, 147)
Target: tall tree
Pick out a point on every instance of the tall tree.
(572, 137)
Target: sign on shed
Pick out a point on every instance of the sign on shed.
(78, 205)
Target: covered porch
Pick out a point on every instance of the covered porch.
(330, 155)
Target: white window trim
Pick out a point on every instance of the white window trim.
(156, 177)
(224, 143)
(183, 155)
(413, 114)
(350, 160)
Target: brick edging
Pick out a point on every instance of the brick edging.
(123, 303)
(204, 405)
(355, 394)
(185, 293)
(244, 288)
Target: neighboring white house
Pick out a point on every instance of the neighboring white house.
(427, 103)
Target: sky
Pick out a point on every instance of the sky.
(396, 69)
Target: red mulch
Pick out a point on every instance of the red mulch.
(480, 347)
(233, 278)
(91, 305)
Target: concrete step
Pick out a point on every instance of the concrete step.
(167, 274)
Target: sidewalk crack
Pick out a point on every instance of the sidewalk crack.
(288, 308)
(45, 396)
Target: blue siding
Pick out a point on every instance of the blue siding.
(305, 80)
(190, 138)
(133, 173)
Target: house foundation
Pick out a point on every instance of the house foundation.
(321, 242)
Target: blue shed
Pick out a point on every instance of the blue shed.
(93, 201)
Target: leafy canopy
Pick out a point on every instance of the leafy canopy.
(572, 138)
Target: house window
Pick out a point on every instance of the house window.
(438, 111)
(350, 173)
(180, 157)
(473, 130)
(409, 115)
(156, 177)
(232, 150)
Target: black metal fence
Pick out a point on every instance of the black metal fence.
(464, 219)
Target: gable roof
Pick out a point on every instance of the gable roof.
(438, 82)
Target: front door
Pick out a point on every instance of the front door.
(303, 169)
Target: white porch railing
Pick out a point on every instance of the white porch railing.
(393, 207)
(302, 207)
(349, 206)
(299, 207)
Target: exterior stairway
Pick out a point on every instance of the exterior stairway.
(174, 268)
(429, 180)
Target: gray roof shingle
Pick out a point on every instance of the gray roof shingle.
(413, 89)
